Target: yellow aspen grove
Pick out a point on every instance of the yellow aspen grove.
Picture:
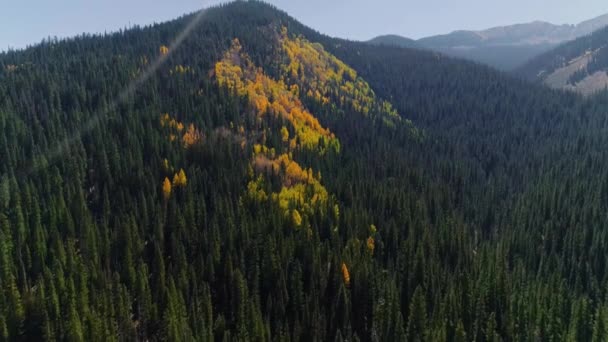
(167, 188)
(345, 275)
(268, 95)
(164, 50)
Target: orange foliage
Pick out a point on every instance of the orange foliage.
(180, 179)
(192, 136)
(301, 190)
(167, 188)
(371, 244)
(301, 194)
(345, 275)
(237, 72)
(293, 144)
(293, 173)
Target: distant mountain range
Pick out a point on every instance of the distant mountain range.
(580, 65)
(505, 47)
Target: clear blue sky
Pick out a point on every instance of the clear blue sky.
(24, 22)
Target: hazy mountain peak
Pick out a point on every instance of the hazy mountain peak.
(591, 25)
(580, 65)
(504, 47)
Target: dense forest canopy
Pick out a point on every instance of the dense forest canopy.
(266, 182)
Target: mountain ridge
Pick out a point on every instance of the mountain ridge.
(505, 47)
(580, 65)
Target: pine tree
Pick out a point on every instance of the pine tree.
(416, 326)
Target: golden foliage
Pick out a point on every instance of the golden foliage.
(371, 244)
(291, 171)
(192, 136)
(345, 275)
(284, 134)
(167, 121)
(296, 218)
(180, 179)
(301, 190)
(255, 190)
(183, 181)
(301, 193)
(164, 119)
(323, 76)
(266, 95)
(167, 188)
(373, 229)
(163, 50)
(180, 69)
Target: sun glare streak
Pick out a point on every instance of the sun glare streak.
(63, 147)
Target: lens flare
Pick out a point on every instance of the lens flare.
(63, 146)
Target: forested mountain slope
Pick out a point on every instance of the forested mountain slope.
(267, 182)
(394, 40)
(580, 66)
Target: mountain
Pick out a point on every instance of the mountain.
(394, 40)
(580, 65)
(505, 47)
(235, 175)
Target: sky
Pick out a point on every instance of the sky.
(26, 22)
